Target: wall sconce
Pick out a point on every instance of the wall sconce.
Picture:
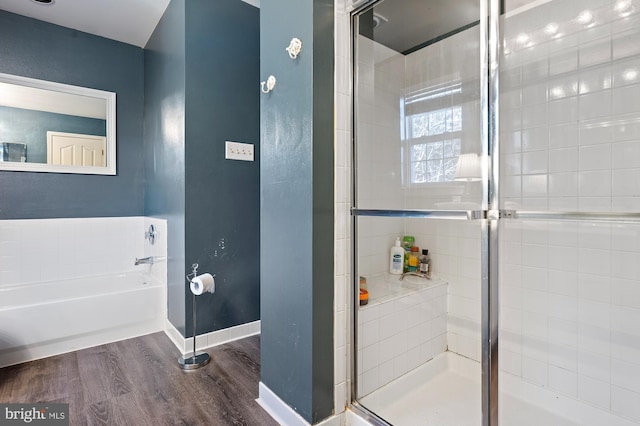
(468, 168)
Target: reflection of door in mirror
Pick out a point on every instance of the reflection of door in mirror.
(30, 108)
(72, 149)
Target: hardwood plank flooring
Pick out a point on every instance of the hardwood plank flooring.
(138, 382)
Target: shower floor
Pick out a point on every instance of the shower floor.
(446, 392)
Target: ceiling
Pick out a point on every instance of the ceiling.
(411, 22)
(405, 25)
(127, 21)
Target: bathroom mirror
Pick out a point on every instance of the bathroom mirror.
(56, 128)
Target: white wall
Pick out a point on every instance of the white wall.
(400, 333)
(34, 250)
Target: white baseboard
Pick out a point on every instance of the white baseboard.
(278, 409)
(284, 414)
(209, 340)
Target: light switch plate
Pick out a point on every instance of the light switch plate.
(238, 151)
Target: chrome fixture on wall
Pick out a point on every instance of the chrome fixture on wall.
(197, 359)
(151, 234)
(144, 261)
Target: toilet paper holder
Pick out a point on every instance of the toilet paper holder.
(193, 274)
(197, 359)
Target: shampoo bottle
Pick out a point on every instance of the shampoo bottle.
(396, 258)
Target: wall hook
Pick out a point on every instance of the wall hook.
(295, 47)
(271, 83)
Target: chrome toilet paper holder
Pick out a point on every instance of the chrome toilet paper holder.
(197, 359)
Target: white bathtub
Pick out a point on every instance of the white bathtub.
(48, 318)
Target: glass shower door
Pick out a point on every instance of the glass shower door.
(417, 172)
(570, 249)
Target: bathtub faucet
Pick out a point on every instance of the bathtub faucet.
(144, 260)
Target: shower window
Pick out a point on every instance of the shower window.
(432, 135)
(433, 162)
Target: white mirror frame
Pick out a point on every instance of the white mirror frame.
(109, 97)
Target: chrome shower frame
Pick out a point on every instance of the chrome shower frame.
(488, 216)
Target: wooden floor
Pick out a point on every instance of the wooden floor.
(138, 382)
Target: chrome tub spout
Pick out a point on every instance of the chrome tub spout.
(144, 260)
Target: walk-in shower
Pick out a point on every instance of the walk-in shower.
(504, 137)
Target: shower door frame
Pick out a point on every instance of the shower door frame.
(488, 215)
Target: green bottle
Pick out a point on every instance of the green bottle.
(408, 241)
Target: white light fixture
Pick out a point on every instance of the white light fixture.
(468, 168)
(551, 28)
(623, 7)
(585, 17)
(522, 38)
(630, 74)
(557, 92)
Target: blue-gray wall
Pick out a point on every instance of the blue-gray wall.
(30, 127)
(223, 196)
(297, 235)
(197, 83)
(164, 145)
(36, 49)
(201, 73)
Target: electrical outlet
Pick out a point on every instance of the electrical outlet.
(238, 151)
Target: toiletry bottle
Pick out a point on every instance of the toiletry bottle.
(407, 242)
(424, 262)
(364, 293)
(396, 258)
(414, 259)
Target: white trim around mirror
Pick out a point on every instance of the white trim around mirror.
(65, 89)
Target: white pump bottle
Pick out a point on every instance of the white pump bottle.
(396, 258)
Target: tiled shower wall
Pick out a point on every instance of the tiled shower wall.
(343, 279)
(385, 78)
(400, 334)
(570, 141)
(34, 250)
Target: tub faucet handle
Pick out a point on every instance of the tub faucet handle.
(151, 234)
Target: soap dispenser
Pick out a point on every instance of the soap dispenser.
(396, 258)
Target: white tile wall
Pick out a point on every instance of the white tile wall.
(343, 278)
(398, 334)
(56, 249)
(570, 317)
